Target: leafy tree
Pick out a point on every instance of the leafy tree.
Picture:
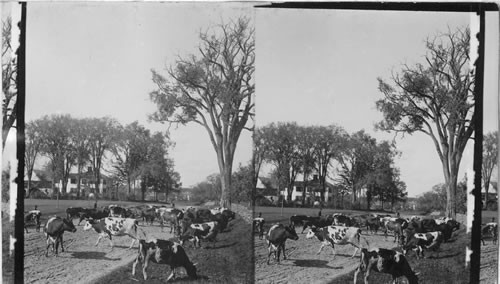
(102, 135)
(9, 76)
(258, 156)
(33, 144)
(356, 162)
(213, 89)
(490, 159)
(242, 183)
(434, 200)
(55, 134)
(6, 183)
(81, 148)
(209, 189)
(435, 98)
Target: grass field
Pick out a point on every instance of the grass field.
(305, 266)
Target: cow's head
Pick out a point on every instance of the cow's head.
(291, 234)
(88, 224)
(68, 225)
(453, 224)
(312, 232)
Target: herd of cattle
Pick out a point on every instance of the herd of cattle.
(415, 233)
(189, 224)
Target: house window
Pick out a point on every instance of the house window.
(73, 180)
(298, 189)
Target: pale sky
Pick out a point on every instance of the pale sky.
(94, 60)
(319, 67)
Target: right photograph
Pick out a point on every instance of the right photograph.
(364, 146)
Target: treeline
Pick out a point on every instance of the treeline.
(127, 153)
(435, 199)
(354, 162)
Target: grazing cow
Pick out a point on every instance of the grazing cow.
(340, 235)
(385, 261)
(489, 230)
(203, 214)
(93, 214)
(113, 226)
(420, 226)
(395, 227)
(276, 238)
(54, 230)
(230, 215)
(72, 212)
(195, 232)
(164, 252)
(420, 241)
(32, 218)
(258, 226)
(319, 223)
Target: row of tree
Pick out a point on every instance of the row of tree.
(132, 152)
(355, 162)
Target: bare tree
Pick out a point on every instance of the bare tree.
(490, 159)
(33, 144)
(435, 98)
(9, 75)
(213, 89)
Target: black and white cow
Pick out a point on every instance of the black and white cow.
(54, 230)
(113, 226)
(164, 252)
(196, 232)
(489, 230)
(120, 212)
(420, 241)
(276, 238)
(342, 220)
(258, 226)
(385, 261)
(337, 235)
(72, 212)
(32, 219)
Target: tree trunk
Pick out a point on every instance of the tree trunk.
(486, 189)
(451, 193)
(143, 189)
(225, 172)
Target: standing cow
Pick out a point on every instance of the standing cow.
(32, 218)
(337, 235)
(195, 232)
(54, 230)
(112, 226)
(164, 252)
(276, 238)
(420, 241)
(258, 226)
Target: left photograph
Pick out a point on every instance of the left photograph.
(138, 134)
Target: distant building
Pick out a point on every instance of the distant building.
(311, 191)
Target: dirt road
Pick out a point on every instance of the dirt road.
(82, 262)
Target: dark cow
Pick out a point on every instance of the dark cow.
(340, 235)
(171, 217)
(385, 261)
(258, 226)
(230, 215)
(420, 241)
(319, 223)
(301, 219)
(196, 232)
(32, 218)
(372, 223)
(120, 212)
(221, 219)
(489, 230)
(203, 214)
(73, 212)
(164, 252)
(342, 220)
(54, 230)
(276, 238)
(93, 214)
(395, 227)
(113, 226)
(148, 215)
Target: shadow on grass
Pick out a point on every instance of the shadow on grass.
(92, 255)
(314, 263)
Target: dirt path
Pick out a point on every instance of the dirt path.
(304, 265)
(489, 263)
(82, 262)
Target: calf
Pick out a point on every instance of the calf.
(276, 238)
(385, 261)
(195, 232)
(54, 230)
(258, 226)
(113, 226)
(164, 252)
(340, 235)
(420, 241)
(489, 230)
(32, 218)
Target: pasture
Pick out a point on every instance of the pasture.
(83, 262)
(489, 253)
(305, 266)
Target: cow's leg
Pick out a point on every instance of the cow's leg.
(356, 274)
(482, 240)
(57, 245)
(133, 242)
(321, 248)
(333, 249)
(355, 251)
(48, 245)
(61, 240)
(145, 266)
(111, 241)
(278, 253)
(137, 260)
(368, 269)
(283, 248)
(270, 252)
(98, 240)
